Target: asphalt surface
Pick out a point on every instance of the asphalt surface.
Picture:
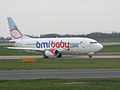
(108, 53)
(110, 43)
(40, 74)
(75, 73)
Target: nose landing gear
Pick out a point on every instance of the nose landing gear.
(90, 54)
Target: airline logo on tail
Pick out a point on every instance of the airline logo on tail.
(15, 33)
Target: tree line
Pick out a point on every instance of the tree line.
(94, 35)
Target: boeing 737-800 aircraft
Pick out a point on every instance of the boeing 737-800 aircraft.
(52, 46)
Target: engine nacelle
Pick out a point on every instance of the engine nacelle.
(51, 52)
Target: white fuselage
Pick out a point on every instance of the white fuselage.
(52, 46)
(66, 45)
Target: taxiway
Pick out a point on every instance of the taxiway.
(77, 73)
(64, 56)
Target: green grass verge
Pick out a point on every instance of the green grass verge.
(111, 48)
(109, 40)
(4, 41)
(8, 52)
(61, 84)
(61, 63)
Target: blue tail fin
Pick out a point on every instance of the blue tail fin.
(14, 31)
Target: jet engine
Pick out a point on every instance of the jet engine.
(52, 52)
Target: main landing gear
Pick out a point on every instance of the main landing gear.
(59, 55)
(44, 56)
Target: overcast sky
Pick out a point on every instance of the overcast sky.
(37, 17)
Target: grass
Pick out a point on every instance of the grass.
(61, 84)
(4, 41)
(109, 40)
(8, 52)
(63, 63)
(111, 48)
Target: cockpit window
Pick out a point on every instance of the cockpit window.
(93, 42)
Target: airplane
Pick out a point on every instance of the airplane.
(52, 46)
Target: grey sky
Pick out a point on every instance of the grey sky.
(37, 17)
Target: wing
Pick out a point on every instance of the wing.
(34, 49)
(23, 48)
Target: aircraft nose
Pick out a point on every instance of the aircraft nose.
(100, 46)
(97, 47)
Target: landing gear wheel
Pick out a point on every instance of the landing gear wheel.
(44, 56)
(60, 55)
(90, 56)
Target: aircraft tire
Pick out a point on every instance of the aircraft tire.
(44, 56)
(90, 56)
(60, 55)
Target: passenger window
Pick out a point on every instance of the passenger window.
(93, 42)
